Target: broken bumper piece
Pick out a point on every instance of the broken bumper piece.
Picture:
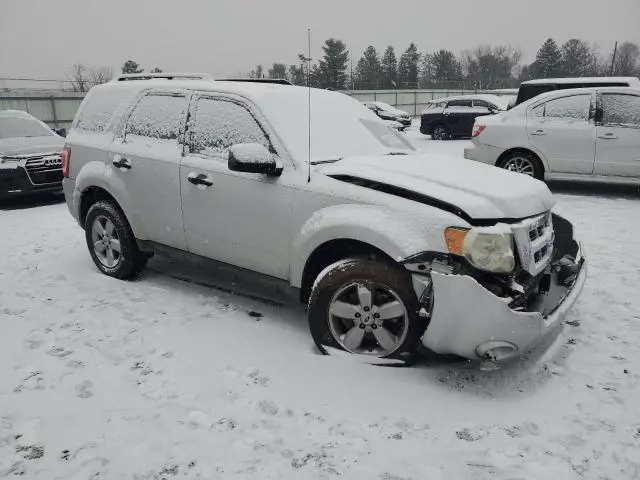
(470, 321)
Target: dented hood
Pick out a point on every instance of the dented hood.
(479, 191)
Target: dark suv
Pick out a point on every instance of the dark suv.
(30, 158)
(453, 117)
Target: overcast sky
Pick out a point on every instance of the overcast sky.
(43, 38)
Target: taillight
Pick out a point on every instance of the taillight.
(477, 130)
(66, 161)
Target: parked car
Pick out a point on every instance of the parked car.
(580, 134)
(387, 112)
(453, 117)
(533, 88)
(386, 247)
(30, 158)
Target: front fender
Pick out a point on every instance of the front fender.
(396, 234)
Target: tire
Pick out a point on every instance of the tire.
(440, 132)
(340, 284)
(106, 223)
(523, 162)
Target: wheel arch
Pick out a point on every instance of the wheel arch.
(333, 251)
(95, 193)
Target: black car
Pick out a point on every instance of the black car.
(387, 112)
(454, 117)
(30, 155)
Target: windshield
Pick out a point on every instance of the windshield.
(340, 126)
(12, 127)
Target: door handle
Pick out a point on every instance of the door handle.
(608, 136)
(200, 179)
(122, 163)
(539, 132)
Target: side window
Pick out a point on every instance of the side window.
(459, 103)
(537, 112)
(157, 116)
(219, 124)
(480, 103)
(621, 109)
(99, 108)
(575, 107)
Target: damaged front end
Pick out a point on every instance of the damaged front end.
(486, 315)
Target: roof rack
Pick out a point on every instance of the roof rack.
(278, 81)
(167, 76)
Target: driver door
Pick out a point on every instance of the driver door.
(234, 217)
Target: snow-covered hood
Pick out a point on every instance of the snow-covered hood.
(18, 146)
(478, 191)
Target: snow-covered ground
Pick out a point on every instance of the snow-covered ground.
(166, 378)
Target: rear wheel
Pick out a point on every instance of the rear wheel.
(365, 307)
(523, 162)
(440, 132)
(111, 243)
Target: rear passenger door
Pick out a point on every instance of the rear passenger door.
(459, 117)
(618, 135)
(145, 163)
(561, 129)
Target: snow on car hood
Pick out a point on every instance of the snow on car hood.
(17, 146)
(479, 191)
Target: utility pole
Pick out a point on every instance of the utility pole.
(613, 60)
(351, 60)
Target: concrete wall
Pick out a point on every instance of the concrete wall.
(55, 108)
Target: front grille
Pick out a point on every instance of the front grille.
(44, 169)
(534, 241)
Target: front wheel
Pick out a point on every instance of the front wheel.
(111, 242)
(365, 307)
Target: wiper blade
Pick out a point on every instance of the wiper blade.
(331, 160)
(396, 153)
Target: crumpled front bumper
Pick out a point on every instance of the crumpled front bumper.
(470, 321)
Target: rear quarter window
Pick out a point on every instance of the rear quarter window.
(100, 107)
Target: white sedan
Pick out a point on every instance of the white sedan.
(579, 134)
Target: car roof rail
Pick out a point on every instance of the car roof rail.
(278, 81)
(167, 76)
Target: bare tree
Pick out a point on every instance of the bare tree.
(77, 76)
(491, 67)
(627, 61)
(99, 75)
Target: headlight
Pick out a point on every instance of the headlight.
(488, 249)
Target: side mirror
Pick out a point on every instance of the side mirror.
(253, 158)
(61, 131)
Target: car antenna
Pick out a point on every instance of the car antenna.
(309, 105)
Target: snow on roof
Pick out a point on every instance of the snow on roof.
(500, 101)
(544, 81)
(15, 113)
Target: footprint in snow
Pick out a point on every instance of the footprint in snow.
(60, 352)
(84, 389)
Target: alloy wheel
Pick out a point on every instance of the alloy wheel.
(520, 165)
(368, 319)
(106, 242)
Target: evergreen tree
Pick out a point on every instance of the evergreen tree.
(331, 71)
(278, 70)
(297, 74)
(368, 70)
(408, 67)
(389, 68)
(577, 58)
(156, 70)
(131, 67)
(441, 67)
(548, 63)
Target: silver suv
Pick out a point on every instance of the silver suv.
(388, 248)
